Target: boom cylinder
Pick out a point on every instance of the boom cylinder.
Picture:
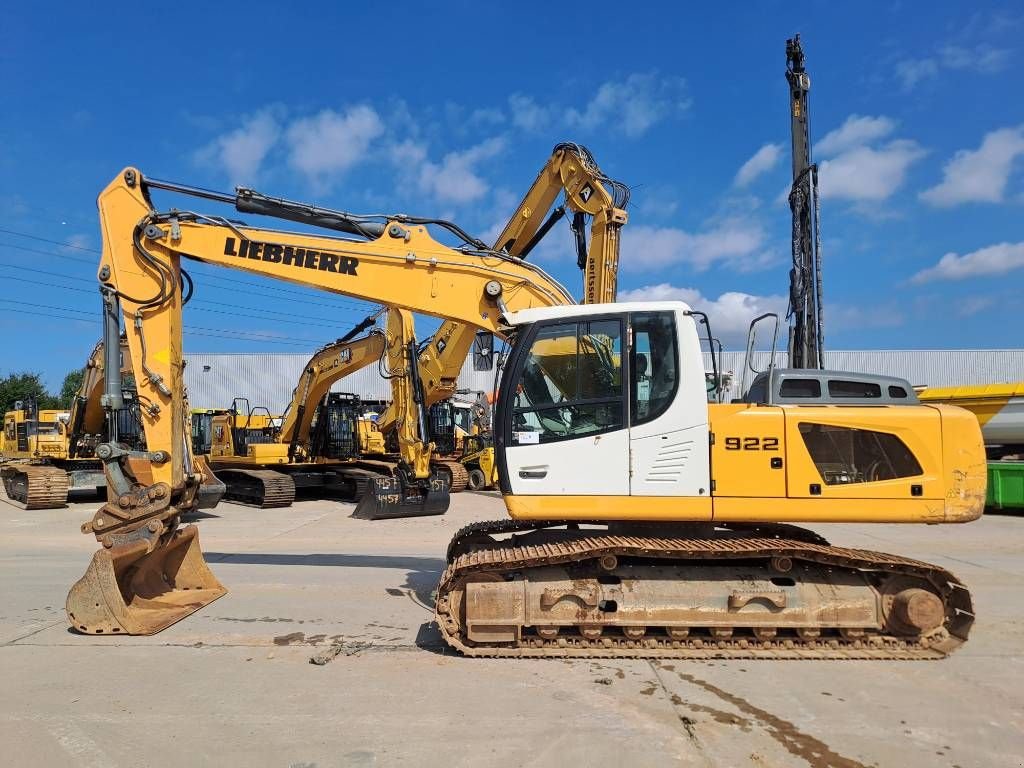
(112, 399)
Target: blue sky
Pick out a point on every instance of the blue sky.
(917, 121)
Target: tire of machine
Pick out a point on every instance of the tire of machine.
(477, 479)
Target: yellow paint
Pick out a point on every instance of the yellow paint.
(822, 510)
(747, 472)
(984, 401)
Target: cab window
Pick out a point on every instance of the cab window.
(571, 383)
(655, 364)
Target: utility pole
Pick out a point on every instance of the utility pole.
(806, 317)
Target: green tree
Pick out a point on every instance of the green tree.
(21, 386)
(72, 383)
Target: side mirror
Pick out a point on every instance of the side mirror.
(483, 351)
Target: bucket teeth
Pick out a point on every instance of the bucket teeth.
(130, 590)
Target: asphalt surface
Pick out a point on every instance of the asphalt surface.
(232, 685)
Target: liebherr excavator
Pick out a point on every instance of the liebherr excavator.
(645, 521)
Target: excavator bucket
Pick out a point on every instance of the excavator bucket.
(128, 590)
(389, 497)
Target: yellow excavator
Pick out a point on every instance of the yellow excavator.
(49, 453)
(321, 441)
(645, 521)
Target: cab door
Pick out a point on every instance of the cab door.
(564, 404)
(668, 434)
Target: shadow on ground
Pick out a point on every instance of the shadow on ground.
(421, 578)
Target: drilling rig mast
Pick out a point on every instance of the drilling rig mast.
(806, 316)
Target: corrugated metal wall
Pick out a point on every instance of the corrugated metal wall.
(268, 379)
(213, 380)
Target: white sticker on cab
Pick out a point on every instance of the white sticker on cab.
(527, 438)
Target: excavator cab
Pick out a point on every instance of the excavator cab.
(334, 433)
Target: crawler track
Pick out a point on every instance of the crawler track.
(749, 550)
(263, 488)
(458, 473)
(35, 486)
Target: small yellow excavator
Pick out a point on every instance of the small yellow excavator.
(322, 441)
(645, 521)
(49, 453)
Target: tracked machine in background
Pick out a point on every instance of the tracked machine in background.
(590, 199)
(49, 453)
(645, 521)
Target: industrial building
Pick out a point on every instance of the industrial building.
(213, 380)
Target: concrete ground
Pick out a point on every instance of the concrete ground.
(232, 685)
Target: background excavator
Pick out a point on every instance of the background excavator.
(588, 194)
(249, 455)
(49, 453)
(321, 442)
(645, 521)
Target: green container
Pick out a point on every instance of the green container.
(1005, 485)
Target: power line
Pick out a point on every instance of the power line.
(51, 273)
(52, 242)
(90, 316)
(194, 309)
(97, 251)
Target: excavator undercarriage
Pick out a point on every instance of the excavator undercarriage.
(769, 591)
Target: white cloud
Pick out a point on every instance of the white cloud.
(869, 174)
(241, 152)
(913, 71)
(736, 242)
(527, 113)
(972, 305)
(455, 178)
(633, 105)
(857, 131)
(979, 175)
(730, 314)
(994, 260)
(487, 116)
(762, 161)
(982, 59)
(326, 145)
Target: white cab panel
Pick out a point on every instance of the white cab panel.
(670, 455)
(594, 465)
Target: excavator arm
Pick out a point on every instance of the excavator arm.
(150, 571)
(87, 416)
